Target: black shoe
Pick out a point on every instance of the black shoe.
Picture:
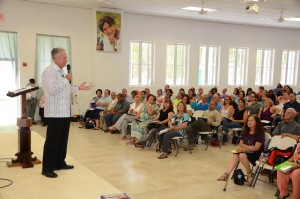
(66, 167)
(34, 123)
(49, 174)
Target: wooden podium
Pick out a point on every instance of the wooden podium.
(24, 158)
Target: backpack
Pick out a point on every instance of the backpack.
(89, 124)
(278, 156)
(239, 177)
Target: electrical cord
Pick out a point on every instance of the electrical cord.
(10, 182)
(4, 179)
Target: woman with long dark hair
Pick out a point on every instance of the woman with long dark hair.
(250, 147)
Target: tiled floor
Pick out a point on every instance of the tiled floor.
(105, 164)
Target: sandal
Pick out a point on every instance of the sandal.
(163, 156)
(283, 197)
(96, 128)
(223, 177)
(140, 145)
(249, 178)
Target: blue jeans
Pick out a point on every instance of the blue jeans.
(165, 139)
(111, 119)
(228, 125)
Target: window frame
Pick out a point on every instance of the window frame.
(150, 81)
(295, 69)
(184, 76)
(216, 77)
(262, 67)
(245, 68)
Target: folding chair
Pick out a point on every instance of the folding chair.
(198, 114)
(179, 139)
(276, 141)
(238, 132)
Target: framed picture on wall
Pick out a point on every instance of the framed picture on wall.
(108, 31)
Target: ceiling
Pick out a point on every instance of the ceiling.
(227, 11)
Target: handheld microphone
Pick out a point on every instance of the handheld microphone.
(69, 69)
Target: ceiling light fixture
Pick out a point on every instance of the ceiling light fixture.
(297, 19)
(198, 9)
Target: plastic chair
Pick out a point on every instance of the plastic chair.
(198, 114)
(276, 141)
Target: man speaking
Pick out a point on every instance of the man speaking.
(58, 90)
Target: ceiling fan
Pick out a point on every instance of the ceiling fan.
(280, 19)
(202, 11)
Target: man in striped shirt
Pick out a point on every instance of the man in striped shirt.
(58, 90)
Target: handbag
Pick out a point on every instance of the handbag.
(152, 126)
(239, 177)
(278, 156)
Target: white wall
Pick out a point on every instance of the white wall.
(110, 70)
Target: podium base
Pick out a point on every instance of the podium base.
(23, 162)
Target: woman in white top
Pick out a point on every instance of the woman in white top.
(125, 119)
(227, 108)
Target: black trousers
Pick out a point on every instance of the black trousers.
(55, 147)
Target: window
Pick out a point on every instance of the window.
(8, 77)
(264, 67)
(177, 64)
(141, 63)
(44, 46)
(237, 66)
(289, 65)
(209, 65)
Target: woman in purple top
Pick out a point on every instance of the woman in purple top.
(250, 147)
(268, 112)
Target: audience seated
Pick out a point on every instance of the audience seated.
(165, 89)
(291, 104)
(253, 106)
(148, 112)
(192, 95)
(89, 113)
(209, 96)
(186, 101)
(260, 92)
(227, 109)
(170, 93)
(125, 119)
(288, 125)
(241, 95)
(115, 113)
(282, 100)
(101, 105)
(177, 127)
(283, 179)
(159, 98)
(236, 121)
(158, 123)
(216, 97)
(203, 105)
(223, 95)
(250, 147)
(211, 117)
(128, 98)
(199, 95)
(111, 105)
(268, 112)
(177, 100)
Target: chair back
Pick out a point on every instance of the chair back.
(198, 114)
(282, 142)
(267, 140)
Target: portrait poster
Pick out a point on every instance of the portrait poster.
(108, 31)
